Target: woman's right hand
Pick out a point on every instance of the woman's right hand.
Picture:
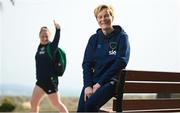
(87, 93)
(57, 26)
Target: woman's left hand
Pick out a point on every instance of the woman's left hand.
(57, 26)
(96, 87)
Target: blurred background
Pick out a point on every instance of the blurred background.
(153, 27)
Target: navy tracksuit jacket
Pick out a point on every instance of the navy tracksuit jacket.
(104, 57)
(44, 65)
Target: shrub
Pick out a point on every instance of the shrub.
(7, 105)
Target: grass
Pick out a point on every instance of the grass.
(23, 102)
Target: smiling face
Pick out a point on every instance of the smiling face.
(44, 36)
(104, 19)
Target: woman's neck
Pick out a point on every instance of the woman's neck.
(107, 31)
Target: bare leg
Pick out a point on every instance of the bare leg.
(37, 95)
(55, 100)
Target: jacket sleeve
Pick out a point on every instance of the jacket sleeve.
(122, 58)
(55, 41)
(87, 64)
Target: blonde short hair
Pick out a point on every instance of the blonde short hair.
(43, 29)
(98, 9)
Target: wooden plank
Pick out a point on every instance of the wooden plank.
(151, 104)
(152, 76)
(153, 110)
(109, 110)
(151, 87)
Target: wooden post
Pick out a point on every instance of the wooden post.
(119, 91)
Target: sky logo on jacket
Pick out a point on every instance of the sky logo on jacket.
(112, 52)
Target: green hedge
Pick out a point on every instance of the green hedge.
(7, 105)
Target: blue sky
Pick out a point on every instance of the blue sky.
(153, 27)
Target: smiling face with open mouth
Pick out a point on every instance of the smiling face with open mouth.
(44, 35)
(105, 20)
